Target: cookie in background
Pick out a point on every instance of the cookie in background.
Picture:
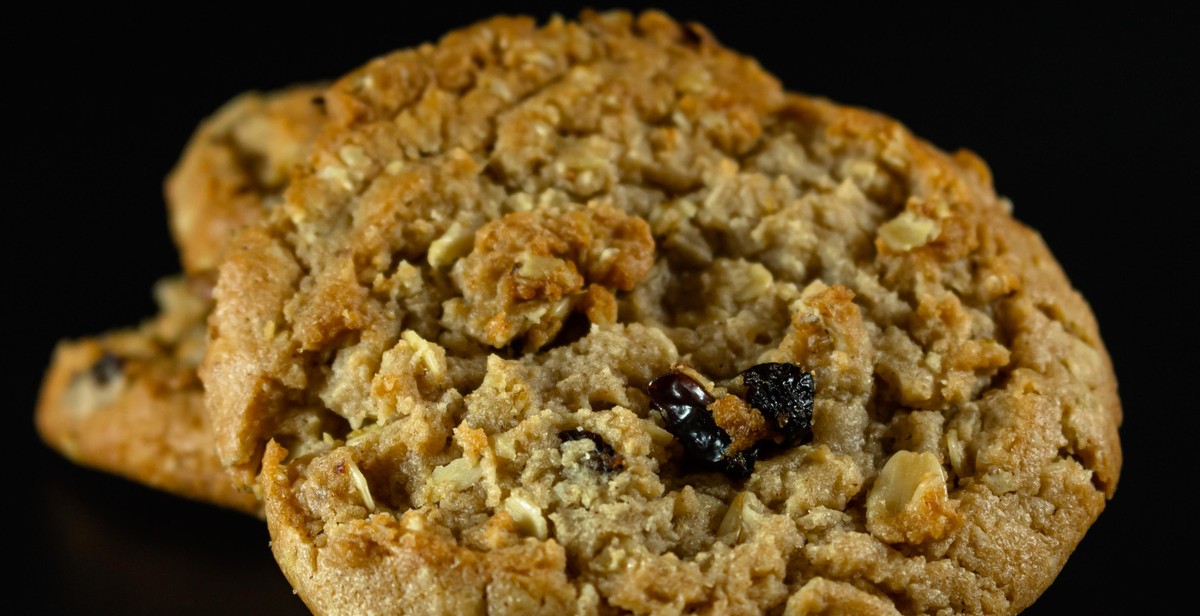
(129, 401)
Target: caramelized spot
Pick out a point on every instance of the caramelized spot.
(745, 425)
(529, 271)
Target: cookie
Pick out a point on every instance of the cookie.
(129, 401)
(595, 317)
(234, 167)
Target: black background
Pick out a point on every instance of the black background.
(1085, 120)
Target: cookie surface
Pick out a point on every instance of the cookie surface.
(435, 353)
(129, 401)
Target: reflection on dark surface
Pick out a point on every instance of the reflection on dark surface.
(106, 545)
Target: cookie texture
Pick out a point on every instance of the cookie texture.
(235, 166)
(433, 356)
(129, 401)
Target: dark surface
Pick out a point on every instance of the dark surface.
(1081, 117)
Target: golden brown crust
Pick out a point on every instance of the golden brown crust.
(547, 261)
(235, 165)
(965, 415)
(128, 402)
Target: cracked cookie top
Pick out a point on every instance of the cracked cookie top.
(434, 355)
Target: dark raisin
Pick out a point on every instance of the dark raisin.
(319, 101)
(106, 369)
(783, 393)
(603, 459)
(683, 403)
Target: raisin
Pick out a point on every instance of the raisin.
(683, 403)
(783, 393)
(603, 459)
(107, 369)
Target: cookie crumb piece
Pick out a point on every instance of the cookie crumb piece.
(745, 425)
(527, 271)
(909, 501)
